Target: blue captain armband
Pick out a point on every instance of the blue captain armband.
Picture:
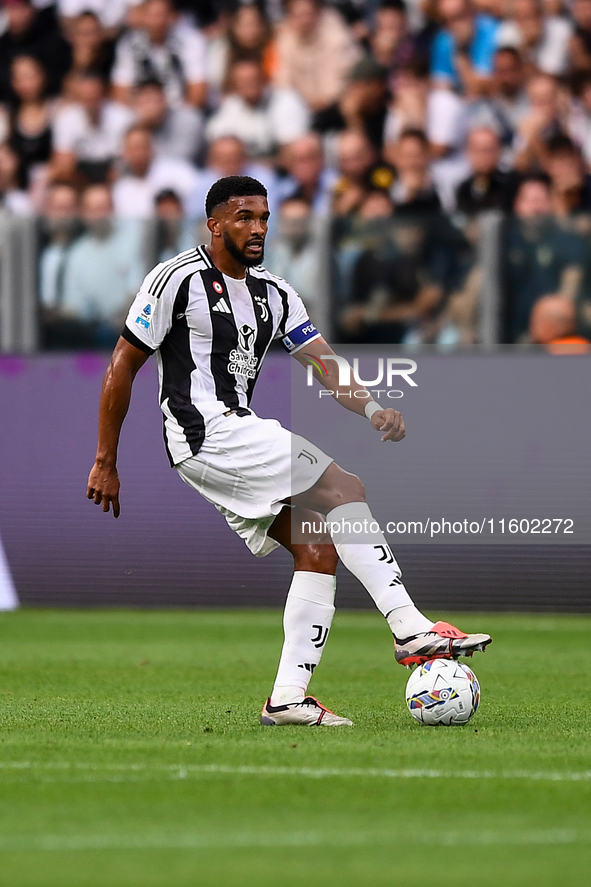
(299, 337)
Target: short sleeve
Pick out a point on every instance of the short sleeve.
(150, 317)
(123, 73)
(297, 330)
(484, 44)
(194, 56)
(442, 66)
(67, 128)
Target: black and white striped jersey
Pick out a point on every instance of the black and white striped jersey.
(211, 333)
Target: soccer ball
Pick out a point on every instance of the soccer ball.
(442, 691)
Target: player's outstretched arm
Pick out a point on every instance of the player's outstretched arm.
(103, 480)
(388, 421)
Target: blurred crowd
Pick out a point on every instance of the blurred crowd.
(391, 123)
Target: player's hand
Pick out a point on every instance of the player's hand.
(391, 423)
(103, 487)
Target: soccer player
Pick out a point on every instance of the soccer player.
(210, 315)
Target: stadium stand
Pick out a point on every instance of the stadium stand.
(438, 152)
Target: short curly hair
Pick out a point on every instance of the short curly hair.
(232, 186)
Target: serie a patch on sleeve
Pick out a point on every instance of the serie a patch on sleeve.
(144, 318)
(299, 336)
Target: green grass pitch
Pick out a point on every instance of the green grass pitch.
(131, 756)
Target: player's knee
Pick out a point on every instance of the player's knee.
(358, 488)
(317, 558)
(350, 489)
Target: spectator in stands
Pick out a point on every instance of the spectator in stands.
(295, 252)
(463, 50)
(309, 180)
(553, 321)
(112, 15)
(580, 41)
(544, 120)
(413, 191)
(570, 185)
(162, 50)
(145, 175)
(4, 125)
(104, 269)
(172, 236)
(541, 257)
(31, 116)
(227, 157)
(176, 131)
(508, 104)
(91, 50)
(60, 227)
(248, 36)
(579, 116)
(360, 172)
(12, 197)
(33, 32)
(315, 52)
(487, 187)
(411, 92)
(395, 285)
(88, 133)
(441, 113)
(542, 40)
(390, 42)
(262, 116)
(364, 104)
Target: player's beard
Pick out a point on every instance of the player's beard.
(240, 256)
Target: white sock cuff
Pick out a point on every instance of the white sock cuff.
(317, 588)
(355, 523)
(350, 511)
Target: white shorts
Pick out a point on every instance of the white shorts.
(247, 467)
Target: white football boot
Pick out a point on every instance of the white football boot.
(443, 641)
(309, 713)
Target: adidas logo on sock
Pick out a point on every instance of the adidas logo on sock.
(308, 666)
(222, 306)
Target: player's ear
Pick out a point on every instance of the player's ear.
(214, 226)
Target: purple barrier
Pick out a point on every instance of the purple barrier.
(169, 546)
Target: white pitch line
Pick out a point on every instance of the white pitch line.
(242, 840)
(183, 771)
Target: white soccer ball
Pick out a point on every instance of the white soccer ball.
(442, 691)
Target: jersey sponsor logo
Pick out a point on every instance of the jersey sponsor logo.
(221, 306)
(141, 321)
(241, 364)
(218, 287)
(246, 336)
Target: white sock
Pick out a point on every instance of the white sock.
(307, 618)
(363, 549)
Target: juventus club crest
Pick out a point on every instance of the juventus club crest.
(262, 303)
